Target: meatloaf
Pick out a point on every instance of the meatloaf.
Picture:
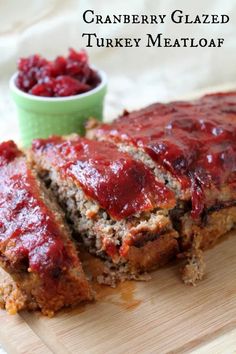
(114, 202)
(191, 148)
(36, 248)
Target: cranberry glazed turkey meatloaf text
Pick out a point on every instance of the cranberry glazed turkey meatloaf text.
(35, 243)
(114, 202)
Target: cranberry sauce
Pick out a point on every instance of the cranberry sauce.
(29, 233)
(121, 185)
(64, 76)
(194, 141)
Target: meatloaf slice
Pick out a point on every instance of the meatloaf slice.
(35, 243)
(190, 146)
(113, 201)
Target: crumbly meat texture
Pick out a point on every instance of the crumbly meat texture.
(36, 248)
(12, 298)
(146, 238)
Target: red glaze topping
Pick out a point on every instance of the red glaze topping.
(29, 233)
(194, 141)
(120, 185)
(8, 152)
(65, 76)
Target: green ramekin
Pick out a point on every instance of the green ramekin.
(41, 117)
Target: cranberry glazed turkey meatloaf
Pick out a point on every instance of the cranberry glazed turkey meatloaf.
(191, 147)
(35, 243)
(115, 203)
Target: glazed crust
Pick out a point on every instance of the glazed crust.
(29, 223)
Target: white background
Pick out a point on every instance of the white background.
(136, 76)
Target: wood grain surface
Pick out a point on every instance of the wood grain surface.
(158, 316)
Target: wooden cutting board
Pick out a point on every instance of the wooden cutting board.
(158, 316)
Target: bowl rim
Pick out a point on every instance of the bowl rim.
(19, 92)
